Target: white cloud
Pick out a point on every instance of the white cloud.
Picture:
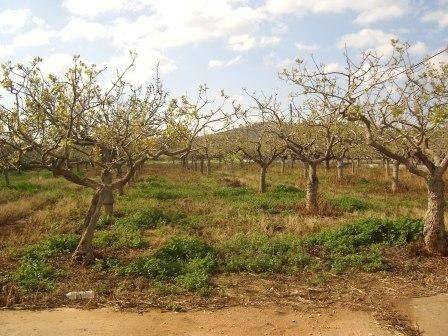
(33, 38)
(306, 47)
(269, 41)
(330, 67)
(12, 20)
(440, 17)
(284, 63)
(145, 64)
(93, 8)
(6, 50)
(368, 11)
(57, 63)
(419, 48)
(224, 64)
(80, 29)
(369, 39)
(241, 42)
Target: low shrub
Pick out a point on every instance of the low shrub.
(62, 243)
(188, 262)
(35, 275)
(119, 237)
(263, 254)
(150, 218)
(350, 203)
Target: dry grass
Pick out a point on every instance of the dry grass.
(57, 207)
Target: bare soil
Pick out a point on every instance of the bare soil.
(231, 321)
(428, 314)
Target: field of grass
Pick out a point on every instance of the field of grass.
(179, 239)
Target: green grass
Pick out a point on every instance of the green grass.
(185, 261)
(356, 245)
(35, 275)
(260, 253)
(279, 199)
(34, 272)
(151, 218)
(350, 203)
(119, 237)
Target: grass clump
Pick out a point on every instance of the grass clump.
(187, 262)
(232, 192)
(350, 203)
(119, 237)
(151, 218)
(161, 189)
(260, 253)
(34, 273)
(280, 198)
(62, 243)
(357, 245)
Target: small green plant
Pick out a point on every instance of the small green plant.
(150, 218)
(263, 254)
(232, 192)
(35, 275)
(286, 189)
(350, 203)
(119, 237)
(62, 243)
(188, 262)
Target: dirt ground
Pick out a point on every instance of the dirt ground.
(430, 314)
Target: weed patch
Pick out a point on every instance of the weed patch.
(187, 262)
(350, 203)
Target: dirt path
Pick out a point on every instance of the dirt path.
(233, 321)
(430, 314)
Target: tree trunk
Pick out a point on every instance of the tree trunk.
(340, 166)
(202, 166)
(84, 250)
(108, 195)
(311, 189)
(353, 167)
(386, 165)
(262, 186)
(305, 169)
(395, 176)
(327, 164)
(209, 166)
(283, 165)
(434, 231)
(6, 176)
(293, 163)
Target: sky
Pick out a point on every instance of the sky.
(227, 44)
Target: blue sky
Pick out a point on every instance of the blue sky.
(227, 44)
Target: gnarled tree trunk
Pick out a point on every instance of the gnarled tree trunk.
(434, 231)
(283, 165)
(6, 176)
(311, 188)
(108, 196)
(202, 166)
(84, 250)
(262, 186)
(209, 166)
(327, 164)
(305, 169)
(395, 176)
(340, 167)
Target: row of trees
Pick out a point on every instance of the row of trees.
(377, 107)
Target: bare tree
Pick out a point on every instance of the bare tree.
(402, 105)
